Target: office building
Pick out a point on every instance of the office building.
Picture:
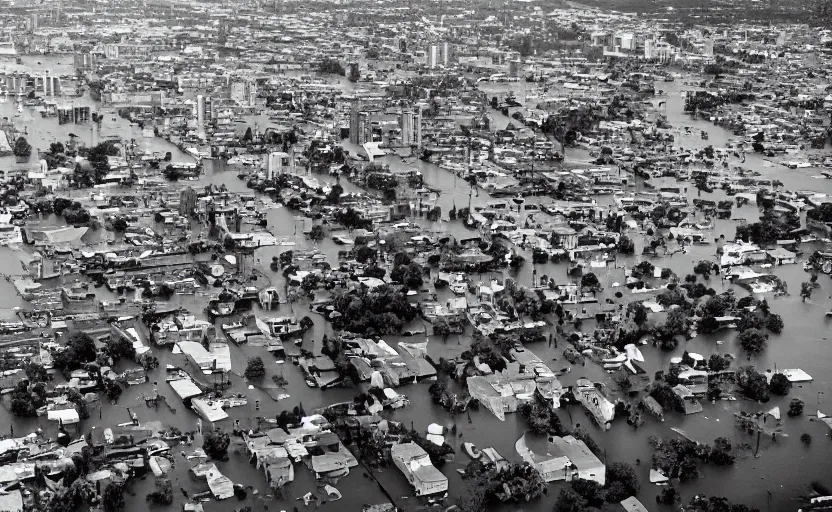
(359, 124)
(445, 54)
(433, 56)
(200, 113)
(410, 124)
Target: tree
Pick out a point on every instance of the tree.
(36, 372)
(806, 439)
(638, 313)
(354, 73)
(255, 368)
(806, 290)
(334, 195)
(215, 444)
(626, 245)
(718, 363)
(626, 475)
(643, 269)
(590, 280)
(163, 495)
(590, 490)
(80, 349)
(351, 219)
(60, 204)
(409, 274)
(317, 233)
(331, 66)
(570, 501)
(56, 148)
(364, 253)
(119, 348)
(615, 492)
(774, 323)
(26, 400)
(779, 385)
(248, 136)
(749, 320)
(795, 408)
(120, 225)
(442, 328)
(113, 390)
(752, 384)
(22, 148)
(703, 268)
(113, 499)
(753, 341)
(668, 496)
(721, 453)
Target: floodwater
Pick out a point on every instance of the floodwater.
(785, 468)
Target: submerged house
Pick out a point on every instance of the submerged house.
(415, 463)
(595, 403)
(584, 463)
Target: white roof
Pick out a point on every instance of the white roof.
(210, 411)
(185, 388)
(67, 416)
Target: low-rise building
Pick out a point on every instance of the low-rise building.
(415, 463)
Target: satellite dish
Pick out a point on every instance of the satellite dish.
(217, 270)
(231, 259)
(145, 254)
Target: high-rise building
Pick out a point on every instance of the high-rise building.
(445, 54)
(410, 124)
(358, 123)
(433, 56)
(200, 113)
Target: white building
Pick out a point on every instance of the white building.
(433, 56)
(200, 113)
(279, 163)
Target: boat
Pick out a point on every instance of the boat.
(471, 450)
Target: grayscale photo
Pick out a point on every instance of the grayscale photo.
(415, 256)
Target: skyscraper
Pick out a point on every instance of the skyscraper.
(410, 124)
(433, 56)
(358, 123)
(200, 113)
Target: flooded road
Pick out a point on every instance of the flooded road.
(785, 468)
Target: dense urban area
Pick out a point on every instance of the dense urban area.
(455, 255)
